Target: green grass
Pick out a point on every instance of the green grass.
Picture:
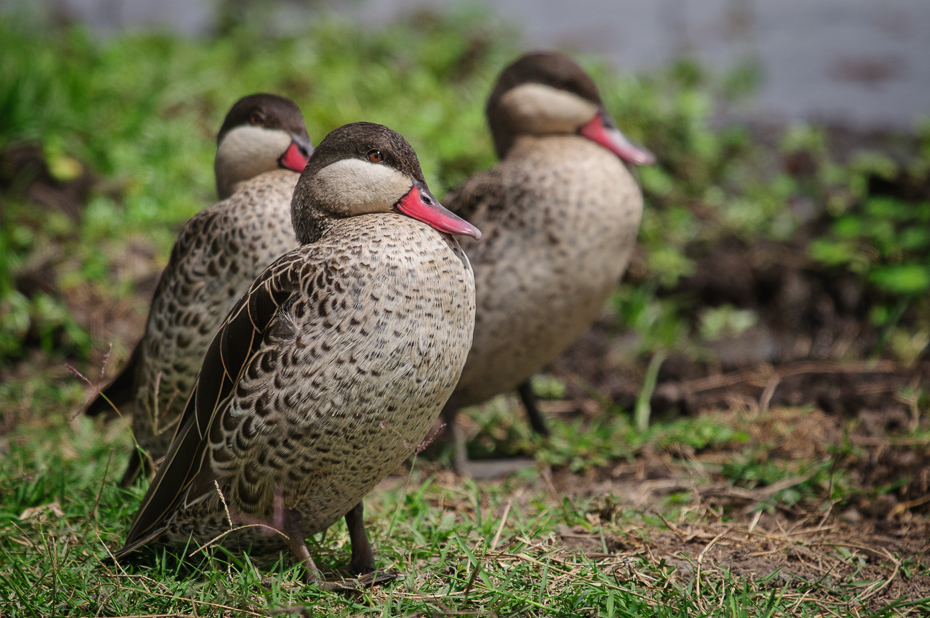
(491, 549)
(140, 113)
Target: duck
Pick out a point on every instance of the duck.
(330, 371)
(262, 147)
(560, 212)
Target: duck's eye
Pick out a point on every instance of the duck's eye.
(375, 156)
(257, 119)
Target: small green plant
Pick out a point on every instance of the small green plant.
(725, 321)
(802, 480)
(581, 446)
(694, 433)
(887, 241)
(548, 387)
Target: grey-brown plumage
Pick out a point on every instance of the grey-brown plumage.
(560, 214)
(217, 255)
(333, 367)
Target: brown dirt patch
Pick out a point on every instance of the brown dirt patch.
(873, 563)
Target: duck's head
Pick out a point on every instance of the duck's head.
(363, 168)
(261, 133)
(546, 93)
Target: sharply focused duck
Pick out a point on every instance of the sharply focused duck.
(332, 368)
(560, 214)
(261, 149)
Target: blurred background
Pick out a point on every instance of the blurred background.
(784, 253)
(852, 61)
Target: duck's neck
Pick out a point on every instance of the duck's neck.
(310, 223)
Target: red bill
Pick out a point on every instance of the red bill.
(420, 204)
(295, 157)
(600, 130)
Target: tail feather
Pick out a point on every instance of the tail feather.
(139, 465)
(120, 391)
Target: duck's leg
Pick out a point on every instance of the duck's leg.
(361, 553)
(528, 397)
(295, 539)
(363, 558)
(455, 438)
(479, 470)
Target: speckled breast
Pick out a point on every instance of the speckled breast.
(346, 384)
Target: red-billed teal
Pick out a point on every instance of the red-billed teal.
(560, 213)
(261, 149)
(331, 370)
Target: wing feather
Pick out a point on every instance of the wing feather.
(119, 392)
(234, 344)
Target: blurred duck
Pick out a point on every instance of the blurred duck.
(261, 149)
(330, 370)
(560, 214)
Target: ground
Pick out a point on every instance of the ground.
(806, 476)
